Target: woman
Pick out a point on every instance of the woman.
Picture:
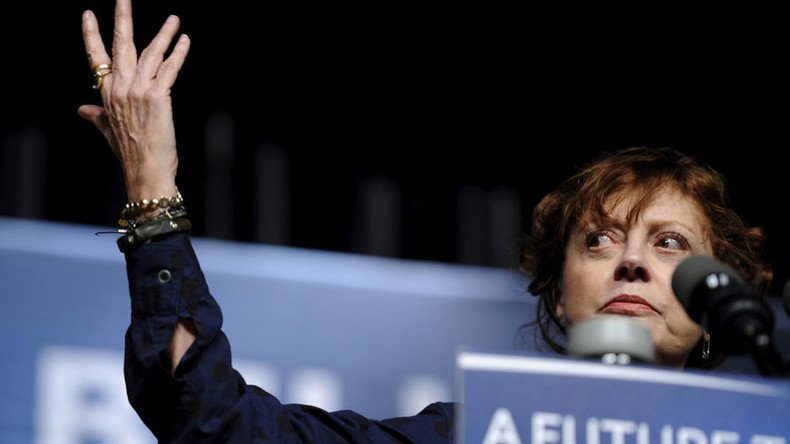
(606, 241)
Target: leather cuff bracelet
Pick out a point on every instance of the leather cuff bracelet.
(144, 232)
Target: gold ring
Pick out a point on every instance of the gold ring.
(98, 74)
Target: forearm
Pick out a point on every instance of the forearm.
(183, 338)
(175, 320)
(178, 369)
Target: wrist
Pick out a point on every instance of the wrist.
(138, 193)
(139, 212)
(152, 229)
(154, 183)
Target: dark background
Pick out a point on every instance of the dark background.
(435, 100)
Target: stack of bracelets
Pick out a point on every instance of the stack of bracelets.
(146, 219)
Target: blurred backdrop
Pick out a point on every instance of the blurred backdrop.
(403, 131)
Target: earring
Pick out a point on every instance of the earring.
(705, 345)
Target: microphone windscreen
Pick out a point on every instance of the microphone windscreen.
(695, 269)
(605, 334)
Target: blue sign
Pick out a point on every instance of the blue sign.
(509, 399)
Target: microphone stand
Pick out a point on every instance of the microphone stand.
(745, 323)
(769, 361)
(765, 353)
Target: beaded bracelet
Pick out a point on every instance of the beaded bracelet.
(130, 215)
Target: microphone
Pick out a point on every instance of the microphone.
(611, 338)
(715, 296)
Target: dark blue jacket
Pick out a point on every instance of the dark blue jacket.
(206, 400)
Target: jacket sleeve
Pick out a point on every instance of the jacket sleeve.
(206, 400)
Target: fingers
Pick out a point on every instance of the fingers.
(126, 70)
(94, 46)
(124, 53)
(152, 56)
(168, 71)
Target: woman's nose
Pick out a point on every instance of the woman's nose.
(633, 265)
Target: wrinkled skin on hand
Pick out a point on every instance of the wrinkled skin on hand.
(136, 115)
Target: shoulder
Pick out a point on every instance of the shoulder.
(436, 422)
(443, 409)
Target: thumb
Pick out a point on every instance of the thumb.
(98, 117)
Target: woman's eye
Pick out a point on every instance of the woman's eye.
(598, 239)
(673, 241)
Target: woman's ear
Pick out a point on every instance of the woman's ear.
(559, 311)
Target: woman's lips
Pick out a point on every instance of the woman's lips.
(628, 304)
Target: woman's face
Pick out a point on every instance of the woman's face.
(627, 270)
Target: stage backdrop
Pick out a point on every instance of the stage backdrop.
(340, 331)
(336, 330)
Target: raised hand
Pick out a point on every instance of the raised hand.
(136, 116)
